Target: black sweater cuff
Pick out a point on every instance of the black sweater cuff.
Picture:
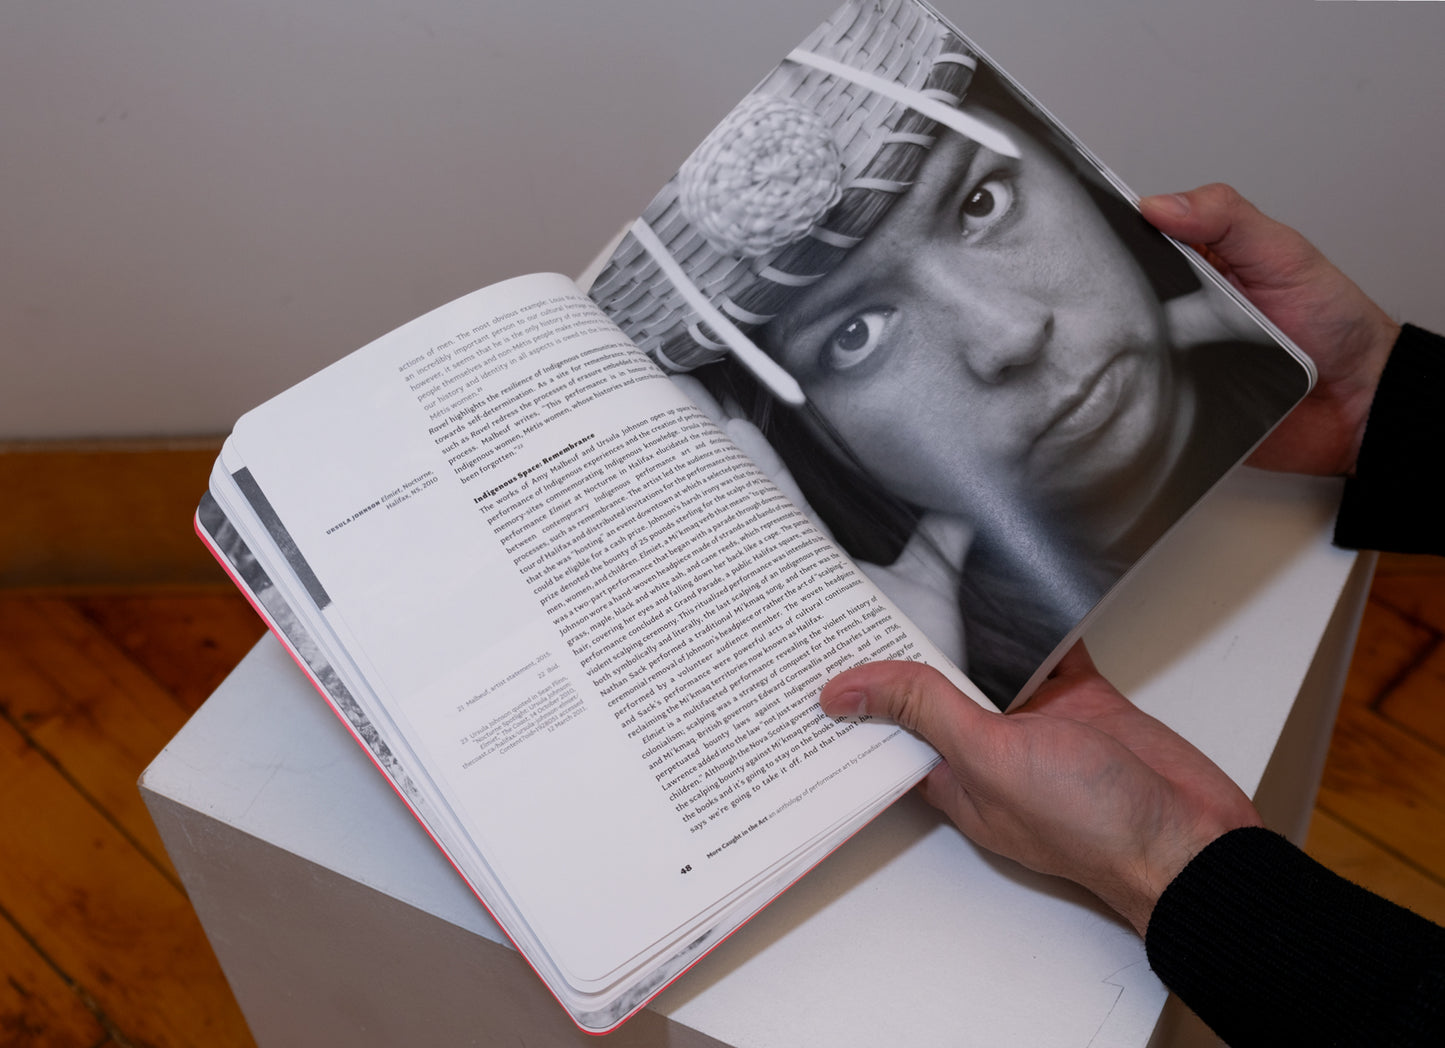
(1270, 948)
(1393, 501)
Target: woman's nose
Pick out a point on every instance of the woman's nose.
(1002, 334)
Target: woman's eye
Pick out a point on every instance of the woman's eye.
(855, 340)
(989, 201)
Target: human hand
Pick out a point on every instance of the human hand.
(1347, 335)
(1078, 782)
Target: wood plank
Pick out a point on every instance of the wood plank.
(1417, 703)
(1388, 785)
(187, 641)
(1389, 644)
(104, 513)
(38, 1008)
(1363, 861)
(91, 711)
(1419, 595)
(104, 915)
(1415, 564)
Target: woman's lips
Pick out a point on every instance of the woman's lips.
(1092, 408)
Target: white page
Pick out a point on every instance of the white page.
(450, 632)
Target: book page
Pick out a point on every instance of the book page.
(945, 313)
(602, 628)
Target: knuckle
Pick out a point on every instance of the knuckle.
(1227, 198)
(1221, 191)
(911, 697)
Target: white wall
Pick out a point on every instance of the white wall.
(202, 201)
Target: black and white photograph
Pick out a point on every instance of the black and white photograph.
(990, 379)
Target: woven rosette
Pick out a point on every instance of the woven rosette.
(765, 177)
(796, 175)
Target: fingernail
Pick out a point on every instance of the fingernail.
(1176, 204)
(846, 704)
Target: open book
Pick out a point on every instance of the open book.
(892, 369)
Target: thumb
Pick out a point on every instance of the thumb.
(1255, 249)
(910, 694)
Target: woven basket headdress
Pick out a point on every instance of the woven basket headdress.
(796, 175)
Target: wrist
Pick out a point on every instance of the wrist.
(1379, 341)
(1165, 858)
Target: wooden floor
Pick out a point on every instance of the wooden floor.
(99, 947)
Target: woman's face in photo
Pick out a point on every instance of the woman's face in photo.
(992, 331)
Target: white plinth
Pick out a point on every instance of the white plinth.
(337, 922)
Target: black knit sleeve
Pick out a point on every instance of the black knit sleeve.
(1270, 948)
(1393, 501)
